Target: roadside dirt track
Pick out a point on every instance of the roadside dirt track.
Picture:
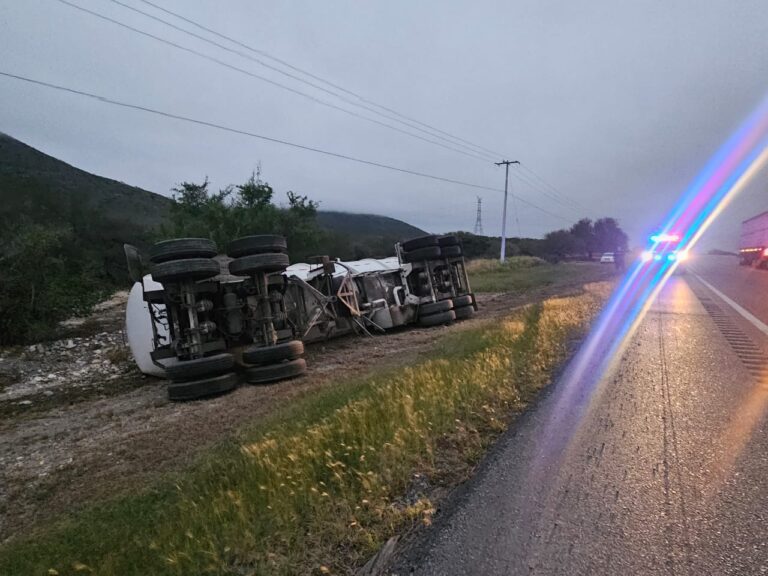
(59, 456)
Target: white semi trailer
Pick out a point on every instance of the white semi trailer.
(753, 244)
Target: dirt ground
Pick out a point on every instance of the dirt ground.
(79, 423)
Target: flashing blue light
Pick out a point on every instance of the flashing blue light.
(671, 257)
(657, 256)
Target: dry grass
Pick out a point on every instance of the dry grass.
(512, 263)
(320, 496)
(522, 274)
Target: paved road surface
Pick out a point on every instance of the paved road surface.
(659, 468)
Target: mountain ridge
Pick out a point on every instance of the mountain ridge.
(31, 180)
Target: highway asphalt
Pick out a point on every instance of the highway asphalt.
(658, 467)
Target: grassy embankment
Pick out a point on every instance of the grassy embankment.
(525, 273)
(321, 485)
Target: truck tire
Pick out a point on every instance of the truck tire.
(275, 372)
(182, 248)
(428, 253)
(262, 244)
(420, 242)
(435, 307)
(448, 240)
(191, 269)
(255, 263)
(464, 312)
(202, 388)
(182, 370)
(465, 300)
(270, 354)
(437, 319)
(450, 251)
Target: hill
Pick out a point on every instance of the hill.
(367, 225)
(354, 236)
(42, 187)
(62, 232)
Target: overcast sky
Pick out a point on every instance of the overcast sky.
(616, 105)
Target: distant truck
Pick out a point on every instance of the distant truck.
(753, 244)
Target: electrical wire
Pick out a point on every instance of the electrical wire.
(469, 153)
(222, 127)
(319, 78)
(538, 183)
(333, 93)
(259, 77)
(523, 178)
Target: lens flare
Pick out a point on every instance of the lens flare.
(724, 176)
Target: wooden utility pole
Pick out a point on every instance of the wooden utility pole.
(506, 164)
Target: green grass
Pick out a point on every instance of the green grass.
(318, 486)
(525, 273)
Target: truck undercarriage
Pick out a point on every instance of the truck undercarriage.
(208, 322)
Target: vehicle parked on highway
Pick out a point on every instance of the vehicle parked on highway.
(207, 321)
(665, 249)
(753, 243)
(607, 258)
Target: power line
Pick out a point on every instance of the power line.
(554, 190)
(262, 78)
(538, 183)
(537, 188)
(107, 100)
(297, 78)
(197, 53)
(491, 153)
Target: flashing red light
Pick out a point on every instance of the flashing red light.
(765, 252)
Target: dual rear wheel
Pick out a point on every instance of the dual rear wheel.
(266, 364)
(257, 256)
(446, 311)
(185, 261)
(431, 248)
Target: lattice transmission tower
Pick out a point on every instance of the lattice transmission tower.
(479, 219)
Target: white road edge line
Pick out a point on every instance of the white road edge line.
(745, 313)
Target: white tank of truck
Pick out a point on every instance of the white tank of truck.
(753, 244)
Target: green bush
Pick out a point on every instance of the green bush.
(44, 279)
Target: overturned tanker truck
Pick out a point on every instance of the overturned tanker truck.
(207, 322)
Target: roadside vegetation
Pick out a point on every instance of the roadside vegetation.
(521, 274)
(62, 232)
(320, 485)
(585, 240)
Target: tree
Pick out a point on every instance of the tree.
(45, 279)
(190, 195)
(609, 237)
(255, 193)
(243, 210)
(584, 231)
(559, 244)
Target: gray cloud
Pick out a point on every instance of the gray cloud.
(618, 105)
